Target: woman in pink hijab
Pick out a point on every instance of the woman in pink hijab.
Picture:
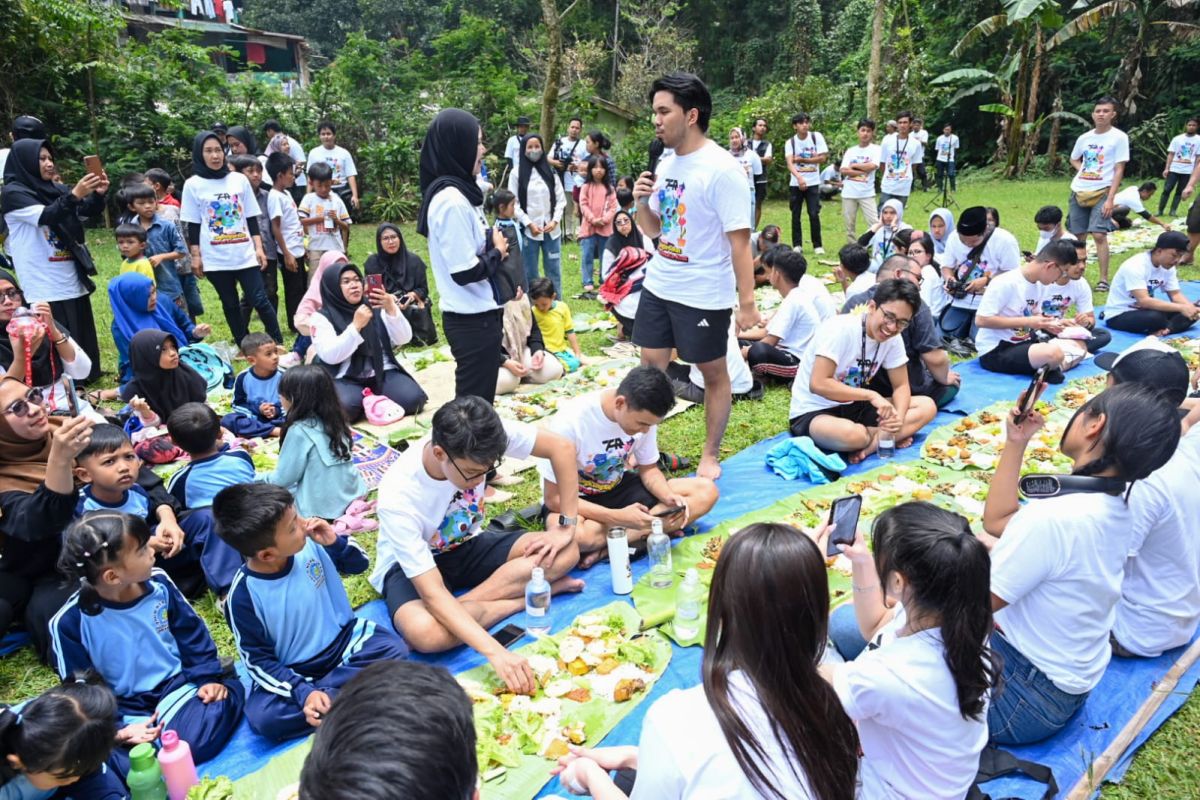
(311, 302)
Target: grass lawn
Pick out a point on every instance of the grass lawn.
(1163, 768)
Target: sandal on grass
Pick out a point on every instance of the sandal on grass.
(1102, 286)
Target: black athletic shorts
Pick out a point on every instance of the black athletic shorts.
(699, 335)
(462, 568)
(628, 491)
(859, 411)
(1009, 358)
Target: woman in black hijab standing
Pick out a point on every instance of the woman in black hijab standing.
(462, 254)
(404, 278)
(46, 238)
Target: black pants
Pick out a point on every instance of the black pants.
(398, 386)
(768, 359)
(76, 315)
(760, 199)
(294, 286)
(797, 198)
(1147, 321)
(35, 602)
(1174, 183)
(919, 171)
(251, 278)
(940, 393)
(946, 169)
(1100, 340)
(474, 341)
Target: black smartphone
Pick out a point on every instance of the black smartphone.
(668, 512)
(1029, 398)
(508, 634)
(843, 515)
(72, 396)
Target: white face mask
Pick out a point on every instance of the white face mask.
(533, 155)
(1045, 236)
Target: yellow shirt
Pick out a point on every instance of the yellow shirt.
(555, 324)
(140, 265)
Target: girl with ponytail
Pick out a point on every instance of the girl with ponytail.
(920, 692)
(1058, 564)
(61, 739)
(172, 677)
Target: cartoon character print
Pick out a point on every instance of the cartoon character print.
(672, 212)
(463, 520)
(858, 374)
(61, 253)
(1185, 154)
(861, 159)
(1024, 334)
(1056, 305)
(897, 166)
(1093, 163)
(806, 149)
(970, 270)
(603, 470)
(224, 217)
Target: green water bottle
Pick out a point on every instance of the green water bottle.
(145, 779)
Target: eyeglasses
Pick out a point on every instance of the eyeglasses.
(22, 406)
(893, 321)
(468, 478)
(11, 294)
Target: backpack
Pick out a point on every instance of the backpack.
(216, 371)
(617, 286)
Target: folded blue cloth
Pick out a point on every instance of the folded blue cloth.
(799, 457)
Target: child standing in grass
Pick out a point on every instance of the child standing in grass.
(556, 324)
(131, 243)
(597, 207)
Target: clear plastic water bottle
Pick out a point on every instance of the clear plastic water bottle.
(537, 604)
(887, 445)
(687, 606)
(659, 547)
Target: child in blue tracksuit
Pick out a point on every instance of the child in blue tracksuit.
(196, 429)
(130, 623)
(115, 481)
(256, 409)
(315, 461)
(291, 619)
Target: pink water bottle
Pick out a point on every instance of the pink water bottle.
(178, 768)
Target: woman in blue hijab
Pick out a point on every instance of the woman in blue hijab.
(135, 307)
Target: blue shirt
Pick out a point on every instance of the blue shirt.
(163, 237)
(283, 621)
(198, 483)
(251, 391)
(136, 502)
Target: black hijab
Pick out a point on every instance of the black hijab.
(47, 366)
(340, 313)
(24, 185)
(525, 168)
(448, 159)
(616, 242)
(244, 136)
(199, 167)
(402, 270)
(164, 389)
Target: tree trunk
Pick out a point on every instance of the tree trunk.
(1055, 132)
(873, 72)
(1031, 105)
(554, 57)
(1016, 122)
(1129, 76)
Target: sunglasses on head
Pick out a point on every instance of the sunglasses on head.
(22, 405)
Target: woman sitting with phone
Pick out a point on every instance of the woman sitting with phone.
(354, 334)
(763, 723)
(1059, 560)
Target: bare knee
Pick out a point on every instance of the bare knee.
(422, 632)
(564, 562)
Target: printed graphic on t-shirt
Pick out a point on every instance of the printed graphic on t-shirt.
(1093, 163)
(1186, 153)
(858, 374)
(335, 164)
(60, 253)
(672, 211)
(463, 520)
(1152, 285)
(897, 167)
(161, 621)
(225, 216)
(805, 148)
(315, 572)
(605, 469)
(860, 177)
(1056, 305)
(970, 270)
(944, 147)
(1024, 334)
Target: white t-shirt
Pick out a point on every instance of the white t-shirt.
(860, 186)
(764, 150)
(856, 357)
(512, 150)
(818, 294)
(795, 322)
(568, 152)
(456, 240)
(810, 146)
(322, 237)
(339, 160)
(898, 157)
(740, 378)
(603, 452)
(1184, 148)
(699, 198)
(1009, 295)
(1057, 299)
(1100, 154)
(281, 205)
(683, 754)
(1139, 272)
(947, 147)
(751, 164)
(1160, 597)
(44, 265)
(860, 284)
(830, 174)
(420, 517)
(221, 206)
(1000, 254)
(1129, 198)
(1059, 566)
(915, 741)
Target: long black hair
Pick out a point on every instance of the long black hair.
(311, 394)
(93, 542)
(592, 163)
(948, 570)
(68, 731)
(770, 588)
(1141, 431)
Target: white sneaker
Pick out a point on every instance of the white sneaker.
(820, 251)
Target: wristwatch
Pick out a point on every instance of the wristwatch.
(567, 522)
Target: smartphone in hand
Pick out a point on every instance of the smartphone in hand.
(1029, 397)
(93, 165)
(843, 515)
(374, 283)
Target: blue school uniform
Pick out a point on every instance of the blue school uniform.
(249, 393)
(155, 653)
(103, 784)
(200, 480)
(296, 633)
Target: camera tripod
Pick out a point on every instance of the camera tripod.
(945, 201)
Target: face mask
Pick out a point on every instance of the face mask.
(533, 155)
(1045, 236)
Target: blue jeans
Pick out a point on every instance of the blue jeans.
(191, 294)
(551, 250)
(592, 247)
(958, 322)
(167, 281)
(844, 633)
(1028, 706)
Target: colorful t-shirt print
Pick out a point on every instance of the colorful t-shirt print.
(61, 253)
(605, 468)
(463, 520)
(1093, 163)
(224, 217)
(1056, 304)
(1186, 154)
(672, 212)
(858, 374)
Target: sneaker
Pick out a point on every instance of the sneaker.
(758, 391)
(686, 390)
(820, 251)
(289, 360)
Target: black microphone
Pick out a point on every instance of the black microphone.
(656, 151)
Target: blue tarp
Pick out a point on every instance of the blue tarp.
(747, 485)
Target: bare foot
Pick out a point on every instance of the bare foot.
(588, 559)
(857, 457)
(567, 584)
(905, 443)
(709, 468)
(1163, 332)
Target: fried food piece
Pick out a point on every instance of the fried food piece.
(578, 667)
(579, 695)
(607, 665)
(626, 688)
